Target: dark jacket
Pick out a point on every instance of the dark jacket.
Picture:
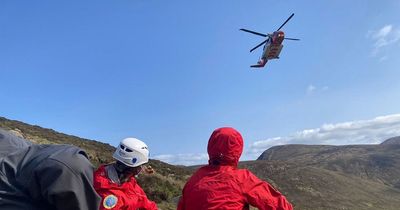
(34, 177)
(221, 185)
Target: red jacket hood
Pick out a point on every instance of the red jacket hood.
(225, 147)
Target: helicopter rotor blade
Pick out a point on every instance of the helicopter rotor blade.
(292, 39)
(286, 21)
(253, 32)
(259, 45)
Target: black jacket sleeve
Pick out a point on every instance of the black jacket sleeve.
(66, 181)
(10, 143)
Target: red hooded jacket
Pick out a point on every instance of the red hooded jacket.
(127, 196)
(221, 185)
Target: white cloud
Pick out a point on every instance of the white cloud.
(311, 89)
(183, 159)
(372, 131)
(383, 32)
(383, 37)
(383, 58)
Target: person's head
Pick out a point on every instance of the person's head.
(225, 147)
(131, 154)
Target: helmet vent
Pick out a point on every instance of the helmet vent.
(124, 148)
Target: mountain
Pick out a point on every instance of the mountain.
(334, 177)
(163, 186)
(312, 177)
(394, 140)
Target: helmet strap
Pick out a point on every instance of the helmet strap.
(125, 172)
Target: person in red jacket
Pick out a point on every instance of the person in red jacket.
(116, 183)
(221, 185)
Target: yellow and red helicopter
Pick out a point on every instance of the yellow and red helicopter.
(273, 44)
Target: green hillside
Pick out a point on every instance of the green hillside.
(313, 177)
(163, 187)
(334, 177)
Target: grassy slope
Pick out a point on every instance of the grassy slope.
(334, 177)
(163, 187)
(312, 177)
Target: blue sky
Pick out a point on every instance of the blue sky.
(170, 72)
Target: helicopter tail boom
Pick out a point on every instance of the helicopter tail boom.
(261, 63)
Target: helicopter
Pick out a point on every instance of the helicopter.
(272, 45)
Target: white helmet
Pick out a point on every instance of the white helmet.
(132, 152)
